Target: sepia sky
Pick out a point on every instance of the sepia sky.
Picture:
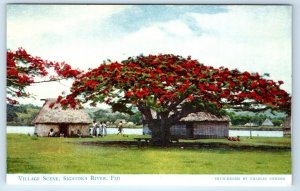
(252, 38)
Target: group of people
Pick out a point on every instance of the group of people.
(98, 130)
(102, 129)
(52, 133)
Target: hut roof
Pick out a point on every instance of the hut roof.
(202, 116)
(251, 125)
(267, 122)
(59, 115)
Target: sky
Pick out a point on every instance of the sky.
(250, 38)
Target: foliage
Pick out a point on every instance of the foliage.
(24, 70)
(135, 118)
(108, 115)
(21, 115)
(277, 122)
(11, 114)
(238, 119)
(165, 81)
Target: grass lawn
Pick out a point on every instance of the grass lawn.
(27, 154)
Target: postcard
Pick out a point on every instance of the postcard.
(156, 95)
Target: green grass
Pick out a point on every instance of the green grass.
(69, 155)
(246, 141)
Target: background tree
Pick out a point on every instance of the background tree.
(164, 88)
(108, 115)
(11, 114)
(241, 118)
(277, 122)
(21, 115)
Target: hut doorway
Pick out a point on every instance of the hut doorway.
(189, 131)
(64, 130)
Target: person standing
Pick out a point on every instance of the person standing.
(94, 130)
(100, 129)
(104, 126)
(120, 128)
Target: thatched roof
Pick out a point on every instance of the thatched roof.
(59, 115)
(202, 116)
(251, 125)
(267, 122)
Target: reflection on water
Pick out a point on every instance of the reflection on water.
(128, 131)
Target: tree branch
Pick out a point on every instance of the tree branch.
(51, 80)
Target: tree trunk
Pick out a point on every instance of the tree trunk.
(165, 132)
(160, 131)
(287, 126)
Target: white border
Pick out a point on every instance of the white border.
(148, 180)
(134, 180)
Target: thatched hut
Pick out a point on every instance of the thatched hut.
(267, 122)
(65, 122)
(201, 125)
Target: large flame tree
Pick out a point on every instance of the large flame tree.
(166, 87)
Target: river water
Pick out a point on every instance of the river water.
(128, 131)
(30, 130)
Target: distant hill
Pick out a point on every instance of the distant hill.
(21, 115)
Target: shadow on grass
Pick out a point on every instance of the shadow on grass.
(189, 145)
